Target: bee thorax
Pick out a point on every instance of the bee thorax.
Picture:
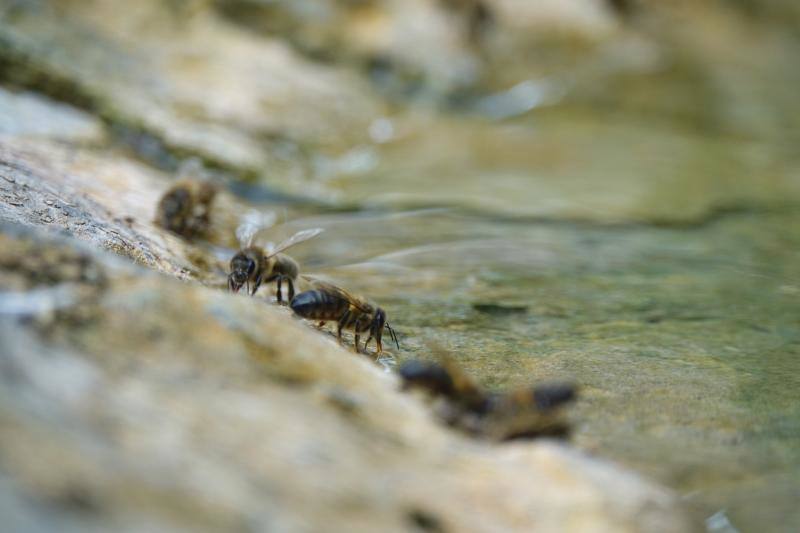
(284, 265)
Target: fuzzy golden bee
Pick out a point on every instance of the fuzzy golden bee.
(522, 413)
(185, 209)
(327, 302)
(254, 265)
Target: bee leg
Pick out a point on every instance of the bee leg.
(358, 330)
(278, 293)
(366, 342)
(321, 323)
(256, 285)
(342, 321)
(290, 283)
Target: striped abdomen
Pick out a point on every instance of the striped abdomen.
(319, 305)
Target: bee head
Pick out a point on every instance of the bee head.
(376, 329)
(242, 268)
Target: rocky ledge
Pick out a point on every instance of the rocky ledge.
(132, 399)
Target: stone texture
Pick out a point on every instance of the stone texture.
(198, 84)
(132, 400)
(234, 416)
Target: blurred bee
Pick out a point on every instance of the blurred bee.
(523, 413)
(185, 209)
(327, 302)
(529, 412)
(253, 265)
(446, 380)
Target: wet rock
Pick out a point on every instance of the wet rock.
(180, 406)
(90, 196)
(373, 36)
(427, 49)
(174, 71)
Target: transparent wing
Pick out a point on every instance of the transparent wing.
(330, 288)
(251, 224)
(297, 238)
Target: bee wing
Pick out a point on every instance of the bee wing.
(330, 288)
(297, 238)
(251, 224)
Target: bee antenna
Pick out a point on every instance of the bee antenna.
(393, 335)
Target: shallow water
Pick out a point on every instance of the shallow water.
(686, 342)
(672, 297)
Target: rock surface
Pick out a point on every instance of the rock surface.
(130, 400)
(613, 189)
(195, 83)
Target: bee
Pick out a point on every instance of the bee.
(529, 412)
(523, 413)
(327, 302)
(253, 265)
(446, 380)
(185, 209)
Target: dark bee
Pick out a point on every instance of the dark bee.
(445, 379)
(328, 302)
(185, 209)
(523, 413)
(529, 412)
(254, 265)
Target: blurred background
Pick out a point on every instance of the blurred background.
(604, 191)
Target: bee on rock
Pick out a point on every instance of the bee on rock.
(523, 413)
(327, 302)
(185, 209)
(254, 265)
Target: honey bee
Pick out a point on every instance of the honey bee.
(255, 265)
(185, 209)
(447, 380)
(328, 302)
(529, 412)
(523, 413)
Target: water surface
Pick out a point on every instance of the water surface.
(682, 326)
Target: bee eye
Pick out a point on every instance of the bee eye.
(251, 267)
